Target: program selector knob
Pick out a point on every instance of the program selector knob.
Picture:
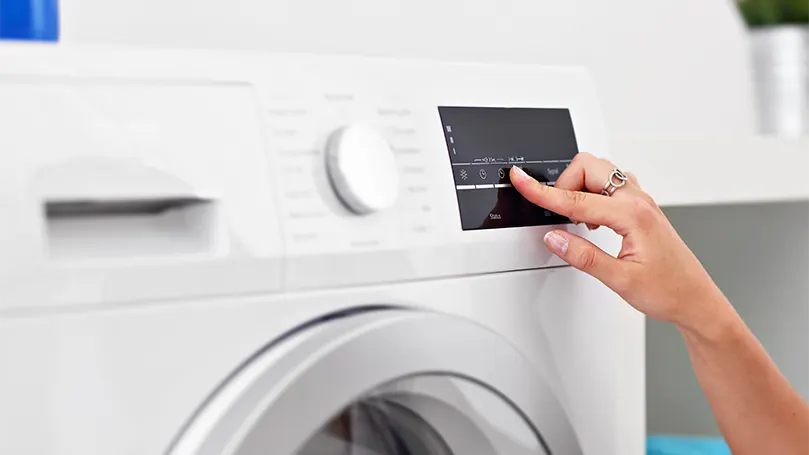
(362, 169)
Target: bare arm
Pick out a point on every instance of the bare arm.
(757, 410)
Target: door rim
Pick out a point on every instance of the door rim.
(282, 386)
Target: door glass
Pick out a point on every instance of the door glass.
(426, 415)
(376, 426)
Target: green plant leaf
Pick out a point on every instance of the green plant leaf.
(759, 13)
(795, 11)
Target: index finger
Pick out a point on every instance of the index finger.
(586, 207)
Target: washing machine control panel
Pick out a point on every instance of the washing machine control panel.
(483, 143)
(277, 171)
(388, 169)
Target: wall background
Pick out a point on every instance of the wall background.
(660, 67)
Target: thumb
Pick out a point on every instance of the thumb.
(588, 258)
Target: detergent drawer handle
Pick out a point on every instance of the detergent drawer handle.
(129, 228)
(77, 208)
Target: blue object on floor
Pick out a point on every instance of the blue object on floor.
(30, 20)
(685, 445)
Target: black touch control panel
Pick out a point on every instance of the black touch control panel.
(485, 142)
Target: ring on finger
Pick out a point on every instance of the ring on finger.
(616, 180)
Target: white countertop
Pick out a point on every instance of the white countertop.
(682, 171)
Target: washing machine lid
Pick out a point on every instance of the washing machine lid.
(378, 383)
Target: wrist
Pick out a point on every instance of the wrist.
(714, 319)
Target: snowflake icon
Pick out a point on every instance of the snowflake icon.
(464, 174)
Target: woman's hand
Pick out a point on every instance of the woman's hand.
(655, 271)
(756, 408)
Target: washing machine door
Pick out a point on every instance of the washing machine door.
(389, 382)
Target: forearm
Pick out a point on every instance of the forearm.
(757, 410)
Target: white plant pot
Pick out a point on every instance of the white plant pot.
(780, 68)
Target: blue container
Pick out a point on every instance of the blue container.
(684, 445)
(31, 20)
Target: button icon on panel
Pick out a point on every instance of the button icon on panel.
(501, 173)
(464, 174)
(482, 174)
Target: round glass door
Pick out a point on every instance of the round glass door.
(392, 382)
(426, 415)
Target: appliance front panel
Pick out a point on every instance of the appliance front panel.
(349, 135)
(146, 368)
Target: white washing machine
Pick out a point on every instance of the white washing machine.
(249, 253)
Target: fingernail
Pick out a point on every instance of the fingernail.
(556, 242)
(518, 173)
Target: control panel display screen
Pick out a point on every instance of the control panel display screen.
(485, 142)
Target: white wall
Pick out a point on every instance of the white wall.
(759, 256)
(661, 67)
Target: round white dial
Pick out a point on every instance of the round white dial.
(362, 169)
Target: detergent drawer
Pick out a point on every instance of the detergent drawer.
(115, 189)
